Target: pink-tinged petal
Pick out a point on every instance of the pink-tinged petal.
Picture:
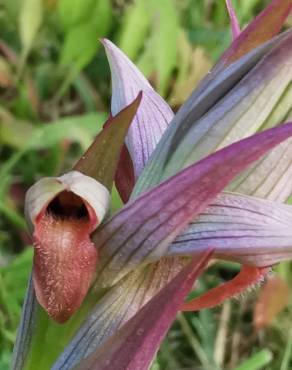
(235, 28)
(240, 228)
(247, 277)
(135, 344)
(265, 26)
(163, 212)
(153, 115)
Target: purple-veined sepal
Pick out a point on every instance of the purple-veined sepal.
(153, 115)
(143, 231)
(270, 178)
(135, 344)
(240, 228)
(248, 90)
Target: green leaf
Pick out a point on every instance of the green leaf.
(26, 136)
(13, 216)
(29, 22)
(81, 42)
(73, 12)
(161, 47)
(102, 17)
(12, 288)
(135, 26)
(256, 361)
(80, 45)
(165, 38)
(80, 129)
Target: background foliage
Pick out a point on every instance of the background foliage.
(55, 94)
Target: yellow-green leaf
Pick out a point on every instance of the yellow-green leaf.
(73, 12)
(30, 20)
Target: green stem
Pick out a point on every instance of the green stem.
(287, 353)
(257, 361)
(195, 344)
(13, 216)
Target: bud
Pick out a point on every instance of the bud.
(62, 212)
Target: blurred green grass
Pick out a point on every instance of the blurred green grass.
(54, 97)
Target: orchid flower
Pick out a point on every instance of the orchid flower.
(209, 181)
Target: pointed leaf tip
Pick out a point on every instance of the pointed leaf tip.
(260, 30)
(153, 115)
(101, 159)
(135, 344)
(233, 19)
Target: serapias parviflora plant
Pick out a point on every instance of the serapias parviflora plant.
(210, 181)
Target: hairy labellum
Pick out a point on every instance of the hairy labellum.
(63, 212)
